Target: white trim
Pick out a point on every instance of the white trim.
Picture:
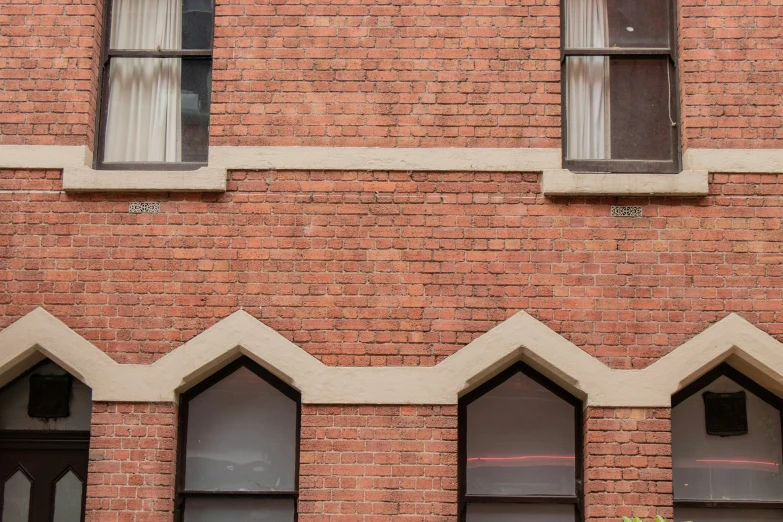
(39, 334)
(763, 161)
(85, 179)
(367, 158)
(43, 156)
(566, 183)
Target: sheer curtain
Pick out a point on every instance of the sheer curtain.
(143, 121)
(587, 81)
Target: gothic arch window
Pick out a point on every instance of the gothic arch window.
(239, 447)
(727, 450)
(520, 450)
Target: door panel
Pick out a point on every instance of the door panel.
(55, 463)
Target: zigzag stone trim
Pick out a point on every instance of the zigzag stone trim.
(521, 337)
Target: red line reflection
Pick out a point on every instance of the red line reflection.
(523, 457)
(731, 461)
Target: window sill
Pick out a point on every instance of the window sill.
(85, 179)
(566, 183)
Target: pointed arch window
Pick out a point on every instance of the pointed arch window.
(727, 450)
(520, 450)
(239, 447)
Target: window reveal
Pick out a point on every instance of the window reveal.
(520, 451)
(239, 448)
(156, 84)
(619, 88)
(727, 474)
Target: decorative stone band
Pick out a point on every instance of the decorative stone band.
(79, 176)
(521, 337)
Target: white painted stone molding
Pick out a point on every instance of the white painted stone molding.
(521, 337)
(563, 182)
(762, 161)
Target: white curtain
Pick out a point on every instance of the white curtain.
(587, 81)
(143, 121)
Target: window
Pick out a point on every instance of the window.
(239, 448)
(619, 86)
(520, 451)
(734, 474)
(156, 82)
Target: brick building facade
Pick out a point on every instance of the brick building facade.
(385, 223)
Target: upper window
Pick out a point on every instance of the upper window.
(620, 94)
(520, 451)
(727, 450)
(239, 447)
(157, 76)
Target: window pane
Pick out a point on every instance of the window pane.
(196, 86)
(709, 467)
(639, 107)
(617, 23)
(520, 441)
(197, 24)
(146, 24)
(238, 510)
(521, 513)
(726, 515)
(68, 498)
(241, 436)
(143, 120)
(634, 23)
(16, 498)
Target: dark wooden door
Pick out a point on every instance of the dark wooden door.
(52, 466)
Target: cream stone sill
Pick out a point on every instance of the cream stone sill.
(566, 183)
(85, 179)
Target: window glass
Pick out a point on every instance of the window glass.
(197, 22)
(15, 397)
(16, 498)
(742, 467)
(726, 515)
(239, 510)
(520, 441)
(241, 436)
(146, 24)
(69, 490)
(520, 513)
(603, 92)
(618, 23)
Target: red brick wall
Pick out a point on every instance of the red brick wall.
(378, 463)
(49, 55)
(732, 73)
(377, 268)
(412, 74)
(439, 74)
(628, 463)
(132, 463)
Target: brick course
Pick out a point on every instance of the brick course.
(49, 59)
(132, 463)
(378, 464)
(628, 463)
(378, 268)
(732, 73)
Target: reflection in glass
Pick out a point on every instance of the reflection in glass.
(239, 510)
(520, 513)
(592, 24)
(744, 467)
(16, 498)
(520, 441)
(241, 436)
(68, 498)
(727, 515)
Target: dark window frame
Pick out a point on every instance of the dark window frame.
(463, 499)
(725, 370)
(618, 166)
(181, 492)
(103, 90)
